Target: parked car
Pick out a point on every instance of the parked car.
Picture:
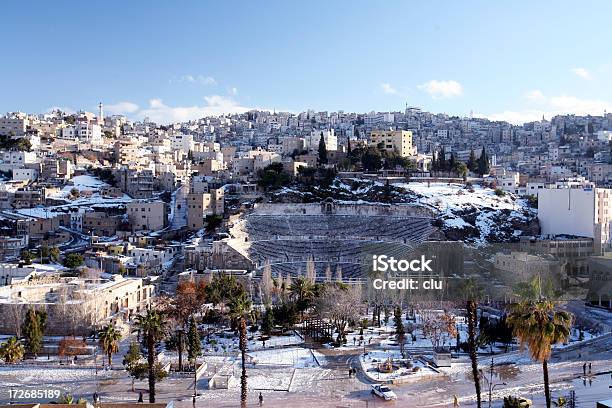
(518, 402)
(383, 392)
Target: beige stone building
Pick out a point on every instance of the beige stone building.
(147, 215)
(74, 305)
(399, 141)
(199, 205)
(518, 267)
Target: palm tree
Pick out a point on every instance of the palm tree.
(109, 340)
(12, 350)
(240, 308)
(153, 327)
(302, 290)
(538, 326)
(472, 293)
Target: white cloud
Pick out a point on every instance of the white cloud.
(215, 105)
(388, 89)
(197, 79)
(535, 96)
(515, 117)
(582, 73)
(551, 106)
(120, 108)
(233, 91)
(442, 89)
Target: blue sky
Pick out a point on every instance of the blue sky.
(183, 59)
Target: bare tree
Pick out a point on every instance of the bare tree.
(340, 305)
(15, 315)
(288, 282)
(438, 327)
(267, 285)
(311, 273)
(328, 274)
(338, 274)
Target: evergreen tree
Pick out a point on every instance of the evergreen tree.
(400, 331)
(26, 257)
(193, 340)
(452, 162)
(133, 364)
(34, 329)
(322, 150)
(472, 165)
(268, 322)
(399, 324)
(483, 163)
(348, 147)
(442, 160)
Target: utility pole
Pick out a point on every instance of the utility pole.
(195, 380)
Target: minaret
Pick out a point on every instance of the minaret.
(101, 113)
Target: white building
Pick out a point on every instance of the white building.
(88, 132)
(376, 118)
(25, 174)
(509, 182)
(17, 158)
(584, 212)
(330, 139)
(604, 135)
(183, 143)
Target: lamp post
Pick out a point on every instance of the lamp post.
(490, 382)
(491, 391)
(179, 333)
(195, 380)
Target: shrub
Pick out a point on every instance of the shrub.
(499, 192)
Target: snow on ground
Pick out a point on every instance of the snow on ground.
(293, 356)
(51, 267)
(13, 375)
(452, 201)
(227, 341)
(94, 200)
(84, 184)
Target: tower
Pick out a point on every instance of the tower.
(100, 113)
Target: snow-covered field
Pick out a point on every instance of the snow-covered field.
(84, 184)
(454, 201)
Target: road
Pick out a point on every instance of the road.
(179, 207)
(330, 385)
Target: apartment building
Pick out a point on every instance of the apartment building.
(14, 124)
(398, 141)
(329, 137)
(137, 183)
(17, 158)
(147, 215)
(101, 223)
(199, 205)
(583, 212)
(85, 131)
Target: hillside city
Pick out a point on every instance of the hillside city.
(227, 261)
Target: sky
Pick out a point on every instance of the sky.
(179, 60)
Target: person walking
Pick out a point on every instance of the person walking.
(455, 401)
(589, 368)
(584, 369)
(260, 399)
